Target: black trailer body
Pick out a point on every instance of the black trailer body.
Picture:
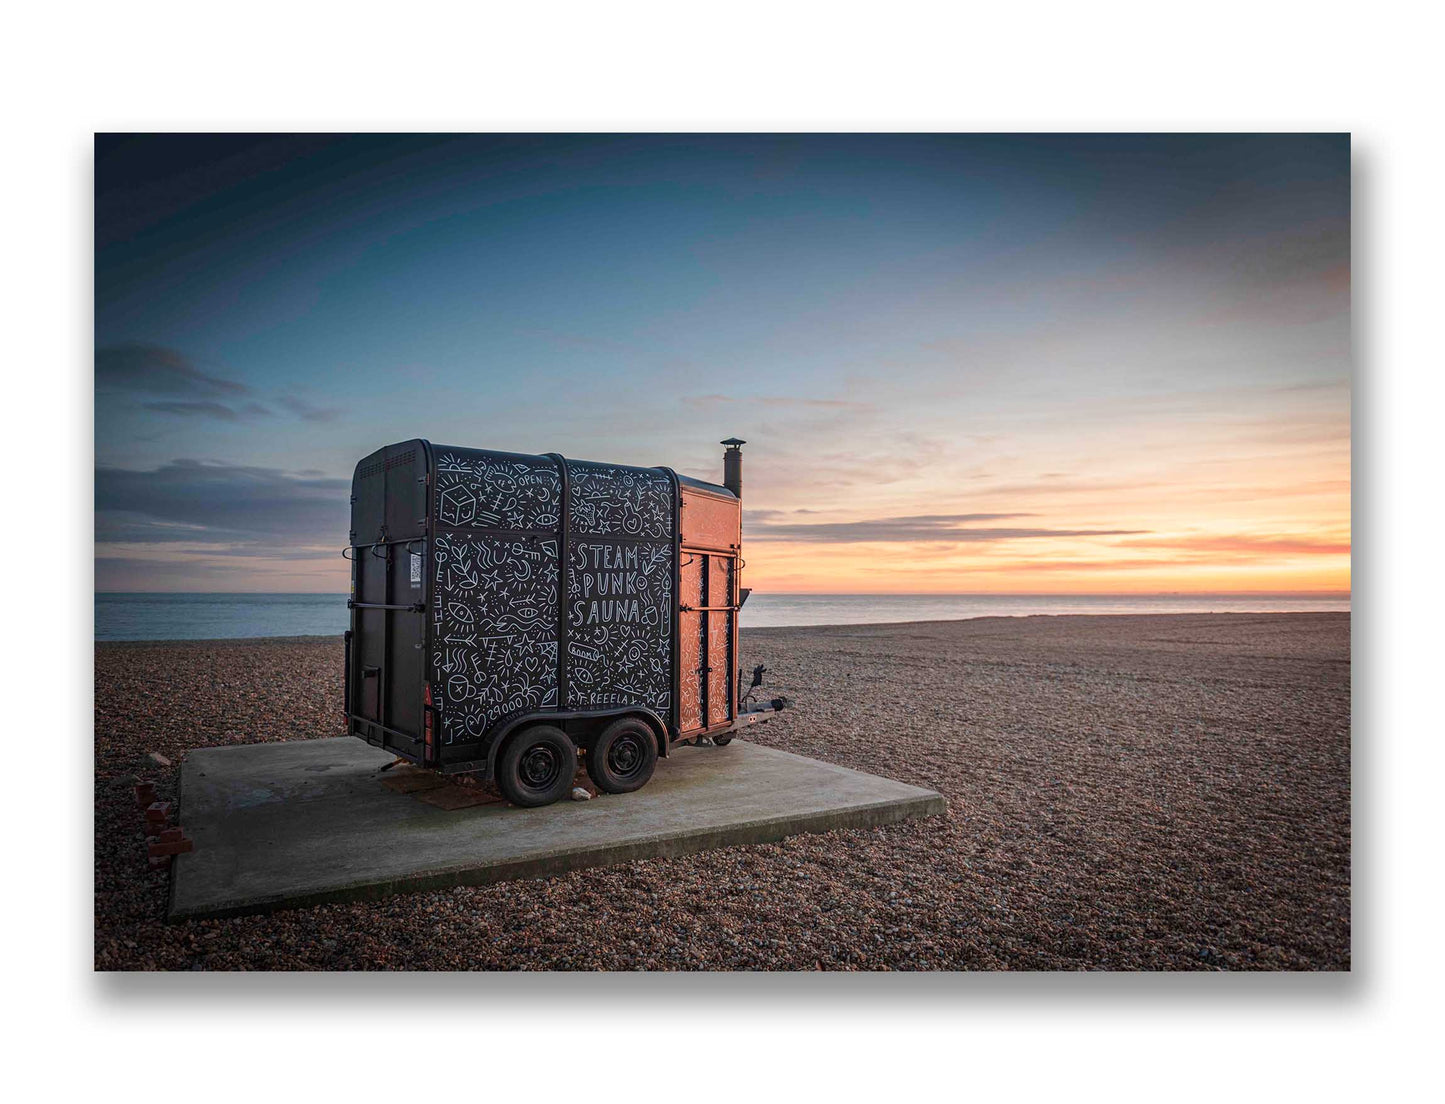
(493, 590)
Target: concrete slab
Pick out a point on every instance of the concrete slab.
(290, 824)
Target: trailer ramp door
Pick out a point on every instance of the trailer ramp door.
(386, 645)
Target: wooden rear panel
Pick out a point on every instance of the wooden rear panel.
(690, 644)
(719, 640)
(711, 540)
(711, 522)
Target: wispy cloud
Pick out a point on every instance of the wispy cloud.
(1083, 567)
(192, 500)
(308, 411)
(917, 528)
(1246, 543)
(166, 381)
(219, 411)
(764, 401)
(211, 569)
(764, 516)
(1055, 483)
(156, 370)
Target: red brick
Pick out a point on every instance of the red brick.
(170, 847)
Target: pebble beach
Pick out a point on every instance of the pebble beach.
(1152, 792)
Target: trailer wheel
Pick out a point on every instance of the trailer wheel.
(536, 767)
(623, 758)
(721, 740)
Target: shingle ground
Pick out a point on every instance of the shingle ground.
(1145, 792)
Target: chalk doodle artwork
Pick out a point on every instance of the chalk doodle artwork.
(619, 592)
(495, 626)
(622, 502)
(619, 602)
(496, 491)
(494, 598)
(497, 588)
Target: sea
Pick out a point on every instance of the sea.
(230, 616)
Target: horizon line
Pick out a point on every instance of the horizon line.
(869, 593)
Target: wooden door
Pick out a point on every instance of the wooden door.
(720, 613)
(691, 648)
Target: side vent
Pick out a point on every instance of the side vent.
(386, 465)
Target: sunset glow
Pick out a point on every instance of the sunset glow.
(962, 365)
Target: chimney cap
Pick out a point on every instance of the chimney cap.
(733, 442)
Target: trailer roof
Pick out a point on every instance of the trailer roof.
(699, 485)
(687, 481)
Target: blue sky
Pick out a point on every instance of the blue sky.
(1140, 336)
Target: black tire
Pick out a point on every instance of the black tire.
(623, 758)
(722, 741)
(537, 766)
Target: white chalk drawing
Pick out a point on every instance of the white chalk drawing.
(619, 624)
(622, 502)
(619, 592)
(484, 490)
(494, 624)
(496, 589)
(494, 598)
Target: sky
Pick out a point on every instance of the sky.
(1035, 364)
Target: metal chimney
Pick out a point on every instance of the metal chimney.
(733, 466)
